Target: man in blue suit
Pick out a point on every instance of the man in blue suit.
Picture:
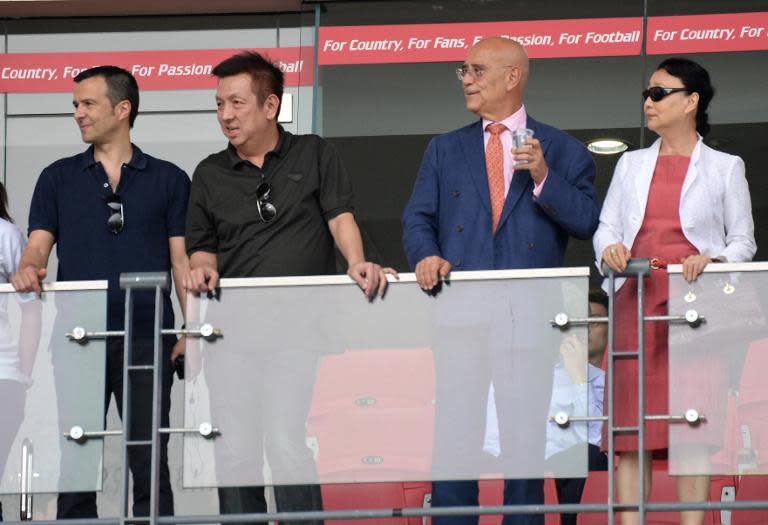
(480, 204)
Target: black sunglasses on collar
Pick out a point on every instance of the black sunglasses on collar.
(116, 221)
(657, 93)
(267, 210)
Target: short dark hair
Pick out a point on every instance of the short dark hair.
(121, 85)
(696, 79)
(266, 78)
(597, 295)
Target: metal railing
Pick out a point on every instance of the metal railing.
(559, 320)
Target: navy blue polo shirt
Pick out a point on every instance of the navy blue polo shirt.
(70, 202)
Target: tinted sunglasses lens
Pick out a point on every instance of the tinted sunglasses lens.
(656, 93)
(115, 220)
(115, 223)
(267, 210)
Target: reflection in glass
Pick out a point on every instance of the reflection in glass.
(45, 394)
(578, 387)
(570, 393)
(18, 350)
(313, 383)
(718, 369)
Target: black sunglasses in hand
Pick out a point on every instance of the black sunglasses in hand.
(115, 221)
(657, 93)
(267, 210)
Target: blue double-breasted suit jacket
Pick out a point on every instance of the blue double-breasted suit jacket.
(449, 213)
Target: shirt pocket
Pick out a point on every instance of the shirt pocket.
(295, 187)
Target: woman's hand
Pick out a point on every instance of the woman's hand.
(616, 256)
(693, 265)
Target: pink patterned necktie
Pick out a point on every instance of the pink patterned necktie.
(494, 165)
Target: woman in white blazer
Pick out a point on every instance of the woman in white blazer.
(678, 201)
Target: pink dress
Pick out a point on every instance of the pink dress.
(660, 236)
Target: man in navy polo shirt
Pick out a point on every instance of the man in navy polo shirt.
(109, 210)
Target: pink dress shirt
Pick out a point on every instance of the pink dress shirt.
(516, 120)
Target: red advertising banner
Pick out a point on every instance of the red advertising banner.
(391, 44)
(707, 33)
(449, 42)
(154, 70)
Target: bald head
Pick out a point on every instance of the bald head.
(497, 73)
(507, 52)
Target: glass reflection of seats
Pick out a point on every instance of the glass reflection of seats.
(349, 496)
(753, 410)
(45, 394)
(372, 404)
(16, 364)
(663, 491)
(751, 488)
(721, 364)
(367, 420)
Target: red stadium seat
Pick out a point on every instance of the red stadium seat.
(492, 493)
(751, 488)
(376, 496)
(365, 405)
(726, 459)
(663, 490)
(372, 415)
(753, 409)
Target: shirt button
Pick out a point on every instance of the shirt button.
(457, 262)
(455, 193)
(530, 246)
(460, 228)
(106, 185)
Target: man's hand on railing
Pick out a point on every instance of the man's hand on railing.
(430, 270)
(370, 277)
(29, 279)
(201, 279)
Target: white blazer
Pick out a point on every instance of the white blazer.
(715, 208)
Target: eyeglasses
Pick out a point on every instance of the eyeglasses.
(657, 93)
(267, 210)
(477, 72)
(115, 221)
